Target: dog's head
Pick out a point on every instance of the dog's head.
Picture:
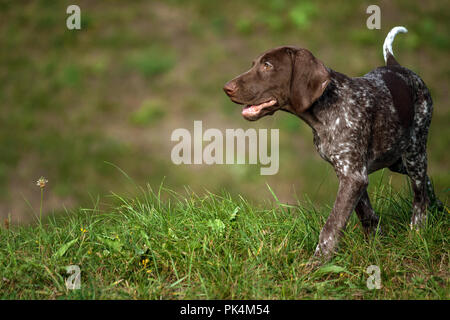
(286, 78)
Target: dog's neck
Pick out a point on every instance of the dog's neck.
(316, 115)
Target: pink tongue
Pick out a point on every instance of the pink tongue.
(250, 110)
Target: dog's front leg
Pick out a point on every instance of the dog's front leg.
(350, 190)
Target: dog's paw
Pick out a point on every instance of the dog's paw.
(438, 206)
(317, 260)
(313, 264)
(373, 231)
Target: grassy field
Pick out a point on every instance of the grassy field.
(164, 245)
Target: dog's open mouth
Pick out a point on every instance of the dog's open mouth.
(254, 111)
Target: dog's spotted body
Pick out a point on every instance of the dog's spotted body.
(360, 125)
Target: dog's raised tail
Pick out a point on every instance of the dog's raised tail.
(387, 46)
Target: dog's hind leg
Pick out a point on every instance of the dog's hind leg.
(434, 202)
(415, 157)
(366, 214)
(416, 165)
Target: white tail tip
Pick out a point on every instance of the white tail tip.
(387, 46)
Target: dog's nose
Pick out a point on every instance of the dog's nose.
(230, 88)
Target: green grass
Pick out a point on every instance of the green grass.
(164, 245)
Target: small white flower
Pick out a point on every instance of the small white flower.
(42, 182)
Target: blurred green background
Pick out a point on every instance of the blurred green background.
(75, 105)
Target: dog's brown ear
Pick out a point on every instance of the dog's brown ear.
(309, 80)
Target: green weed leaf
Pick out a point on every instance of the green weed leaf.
(63, 249)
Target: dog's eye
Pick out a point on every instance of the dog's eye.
(267, 65)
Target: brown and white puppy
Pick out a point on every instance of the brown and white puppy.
(360, 125)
